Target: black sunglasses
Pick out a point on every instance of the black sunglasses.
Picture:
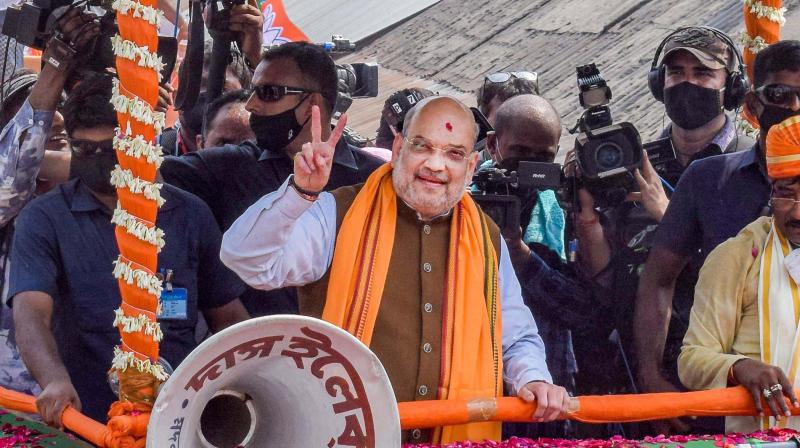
(779, 94)
(270, 93)
(85, 148)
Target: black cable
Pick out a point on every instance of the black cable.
(177, 18)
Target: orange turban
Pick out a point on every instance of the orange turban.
(783, 149)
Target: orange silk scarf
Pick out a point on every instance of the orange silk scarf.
(472, 362)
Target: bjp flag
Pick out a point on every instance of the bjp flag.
(278, 28)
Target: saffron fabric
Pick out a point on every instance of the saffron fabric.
(285, 240)
(783, 149)
(778, 313)
(471, 363)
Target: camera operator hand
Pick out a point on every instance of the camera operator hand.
(247, 22)
(519, 251)
(165, 92)
(651, 193)
(594, 249)
(76, 29)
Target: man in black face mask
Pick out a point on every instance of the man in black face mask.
(695, 68)
(697, 74)
(290, 79)
(528, 128)
(61, 281)
(715, 198)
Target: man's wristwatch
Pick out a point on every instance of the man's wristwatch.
(310, 196)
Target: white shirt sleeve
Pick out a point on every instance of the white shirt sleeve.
(524, 358)
(282, 240)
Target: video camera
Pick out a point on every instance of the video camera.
(607, 153)
(34, 22)
(498, 191)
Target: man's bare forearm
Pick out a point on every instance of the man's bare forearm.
(654, 307)
(594, 250)
(36, 343)
(650, 325)
(46, 92)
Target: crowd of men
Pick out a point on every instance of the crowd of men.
(689, 283)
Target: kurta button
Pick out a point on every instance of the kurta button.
(426, 347)
(427, 229)
(423, 390)
(427, 267)
(428, 307)
(416, 434)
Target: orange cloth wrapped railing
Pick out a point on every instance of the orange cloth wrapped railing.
(123, 430)
(588, 409)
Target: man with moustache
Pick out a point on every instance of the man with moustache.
(744, 322)
(443, 309)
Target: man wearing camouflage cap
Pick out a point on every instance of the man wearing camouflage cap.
(696, 73)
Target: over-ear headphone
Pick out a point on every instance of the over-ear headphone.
(736, 84)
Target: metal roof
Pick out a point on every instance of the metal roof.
(354, 20)
(455, 43)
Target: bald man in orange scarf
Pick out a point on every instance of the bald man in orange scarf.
(407, 263)
(744, 323)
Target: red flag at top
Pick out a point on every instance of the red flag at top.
(278, 28)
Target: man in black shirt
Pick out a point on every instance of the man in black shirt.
(289, 80)
(693, 74)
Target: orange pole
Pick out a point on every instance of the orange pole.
(93, 431)
(587, 409)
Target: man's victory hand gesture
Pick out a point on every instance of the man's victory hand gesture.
(312, 165)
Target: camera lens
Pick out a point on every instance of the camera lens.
(608, 156)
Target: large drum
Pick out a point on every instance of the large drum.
(286, 381)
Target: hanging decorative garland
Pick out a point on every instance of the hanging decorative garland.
(763, 20)
(135, 97)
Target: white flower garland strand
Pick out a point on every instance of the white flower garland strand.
(137, 109)
(138, 228)
(149, 14)
(124, 270)
(140, 55)
(122, 178)
(753, 44)
(141, 323)
(124, 360)
(761, 11)
(138, 147)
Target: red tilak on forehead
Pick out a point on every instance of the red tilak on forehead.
(448, 126)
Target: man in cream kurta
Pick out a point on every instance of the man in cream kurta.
(744, 323)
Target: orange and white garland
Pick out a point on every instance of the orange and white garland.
(763, 20)
(135, 96)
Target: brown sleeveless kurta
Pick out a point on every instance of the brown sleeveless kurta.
(408, 330)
